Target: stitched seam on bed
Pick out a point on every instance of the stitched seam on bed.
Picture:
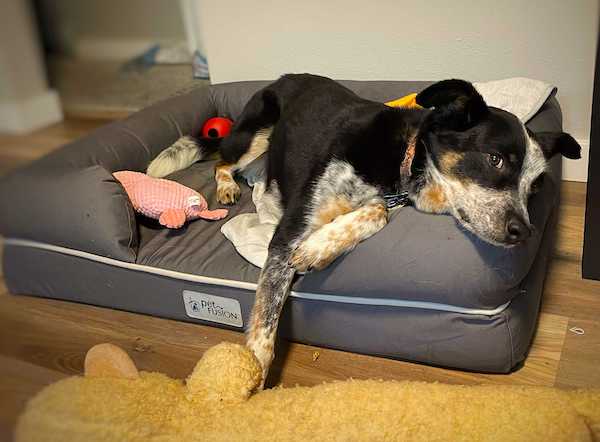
(134, 135)
(128, 210)
(129, 223)
(252, 286)
(211, 100)
(170, 120)
(510, 339)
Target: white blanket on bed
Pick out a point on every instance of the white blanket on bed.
(251, 233)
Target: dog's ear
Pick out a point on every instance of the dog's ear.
(457, 103)
(552, 143)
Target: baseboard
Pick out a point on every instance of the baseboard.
(577, 170)
(30, 114)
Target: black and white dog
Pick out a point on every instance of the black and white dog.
(333, 155)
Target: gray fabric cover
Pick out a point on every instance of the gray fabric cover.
(70, 199)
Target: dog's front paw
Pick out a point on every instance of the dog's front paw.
(315, 253)
(228, 192)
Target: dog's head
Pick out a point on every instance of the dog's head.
(480, 163)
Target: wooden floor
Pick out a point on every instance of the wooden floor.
(44, 340)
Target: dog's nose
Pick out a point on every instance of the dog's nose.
(516, 230)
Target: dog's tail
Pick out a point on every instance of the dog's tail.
(181, 154)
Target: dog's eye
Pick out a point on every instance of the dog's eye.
(495, 160)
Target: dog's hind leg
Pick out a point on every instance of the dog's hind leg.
(248, 140)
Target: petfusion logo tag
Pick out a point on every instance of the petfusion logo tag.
(213, 308)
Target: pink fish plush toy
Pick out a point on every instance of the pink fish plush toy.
(171, 203)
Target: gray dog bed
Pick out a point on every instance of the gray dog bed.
(421, 290)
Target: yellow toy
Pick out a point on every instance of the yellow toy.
(409, 101)
(113, 402)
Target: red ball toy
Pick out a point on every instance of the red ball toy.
(217, 127)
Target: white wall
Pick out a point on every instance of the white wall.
(26, 102)
(551, 40)
(110, 29)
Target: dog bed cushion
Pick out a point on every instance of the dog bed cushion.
(422, 289)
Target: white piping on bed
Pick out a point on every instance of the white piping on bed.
(251, 286)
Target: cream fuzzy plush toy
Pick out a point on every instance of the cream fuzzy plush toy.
(113, 402)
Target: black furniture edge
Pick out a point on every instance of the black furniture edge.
(591, 241)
